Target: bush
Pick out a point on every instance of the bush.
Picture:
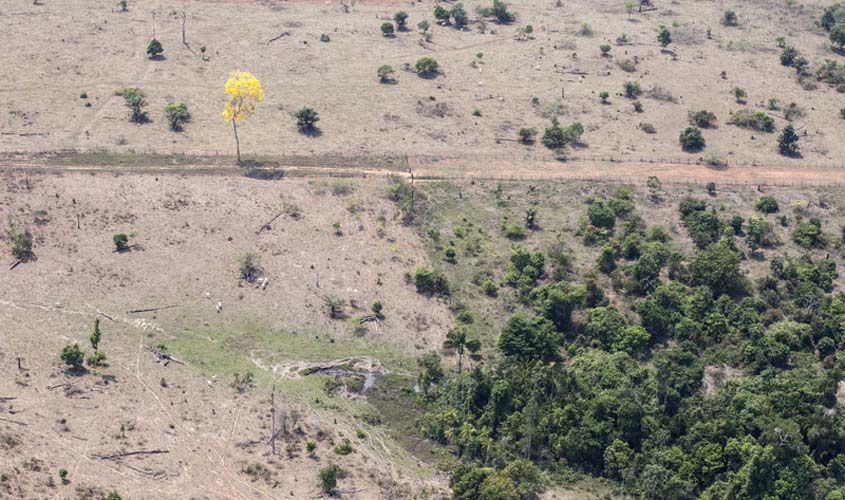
(154, 49)
(120, 242)
(21, 244)
(177, 115)
(788, 55)
(135, 100)
(729, 18)
(386, 28)
(459, 15)
(344, 448)
(664, 37)
(703, 119)
(526, 135)
(249, 267)
(842, 113)
(72, 356)
(500, 12)
(837, 35)
(96, 359)
(691, 140)
(832, 16)
(767, 204)
(441, 14)
(385, 73)
(513, 231)
(648, 128)
(401, 19)
(328, 478)
(638, 108)
(423, 26)
(632, 90)
(491, 289)
(557, 137)
(808, 234)
(605, 49)
(740, 94)
(306, 120)
(603, 96)
(430, 282)
(754, 120)
(788, 142)
(427, 66)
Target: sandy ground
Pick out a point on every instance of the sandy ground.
(190, 229)
(63, 48)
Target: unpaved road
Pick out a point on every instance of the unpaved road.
(452, 169)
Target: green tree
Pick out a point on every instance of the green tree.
(135, 100)
(306, 120)
(767, 204)
(121, 242)
(530, 339)
(664, 37)
(154, 49)
(72, 356)
(459, 15)
(501, 13)
(837, 35)
(177, 115)
(328, 478)
(441, 14)
(431, 371)
(717, 267)
(401, 19)
(691, 140)
(387, 28)
(95, 335)
(385, 73)
(457, 340)
(632, 89)
(427, 66)
(788, 142)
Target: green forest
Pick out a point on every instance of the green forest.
(601, 371)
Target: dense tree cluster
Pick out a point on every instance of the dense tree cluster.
(618, 389)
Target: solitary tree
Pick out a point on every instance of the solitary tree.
(72, 356)
(788, 141)
(135, 100)
(245, 93)
(386, 28)
(385, 73)
(691, 139)
(154, 49)
(177, 114)
(401, 19)
(95, 336)
(456, 340)
(459, 15)
(306, 120)
(328, 479)
(664, 37)
(121, 242)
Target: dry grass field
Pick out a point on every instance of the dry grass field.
(61, 49)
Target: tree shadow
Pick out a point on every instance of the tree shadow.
(428, 75)
(312, 131)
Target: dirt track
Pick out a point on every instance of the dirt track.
(607, 171)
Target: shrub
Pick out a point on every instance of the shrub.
(423, 26)
(121, 242)
(135, 100)
(513, 231)
(306, 120)
(703, 119)
(627, 65)
(832, 16)
(177, 114)
(450, 255)
(491, 289)
(788, 55)
(430, 282)
(729, 18)
(344, 448)
(638, 108)
(788, 142)
(767, 204)
(96, 359)
(526, 135)
(500, 12)
(441, 14)
(328, 478)
(249, 267)
(385, 73)
(711, 188)
(459, 15)
(325, 38)
(72, 356)
(427, 66)
(63, 474)
(691, 139)
(600, 215)
(664, 37)
(605, 49)
(648, 128)
(740, 94)
(837, 35)
(754, 120)
(401, 19)
(792, 111)
(604, 95)
(154, 49)
(831, 73)
(842, 113)
(310, 446)
(553, 137)
(632, 89)
(808, 234)
(386, 28)
(21, 244)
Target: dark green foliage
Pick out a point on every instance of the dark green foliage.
(431, 283)
(135, 100)
(524, 269)
(808, 234)
(837, 35)
(632, 89)
(664, 37)
(459, 16)
(530, 339)
(832, 73)
(95, 335)
(526, 135)
(72, 356)
(767, 204)
(121, 242)
(441, 14)
(691, 140)
(387, 28)
(703, 119)
(385, 73)
(177, 114)
(556, 136)
(328, 478)
(760, 234)
(557, 301)
(730, 18)
(788, 55)
(832, 16)
(21, 244)
(601, 215)
(431, 371)
(154, 49)
(501, 13)
(717, 267)
(427, 66)
(401, 19)
(754, 120)
(306, 120)
(788, 142)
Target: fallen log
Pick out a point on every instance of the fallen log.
(124, 454)
(284, 33)
(14, 264)
(152, 309)
(162, 357)
(266, 225)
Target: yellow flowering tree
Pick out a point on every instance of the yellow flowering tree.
(244, 91)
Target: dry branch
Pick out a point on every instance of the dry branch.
(152, 309)
(285, 33)
(162, 357)
(118, 456)
(266, 225)
(14, 264)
